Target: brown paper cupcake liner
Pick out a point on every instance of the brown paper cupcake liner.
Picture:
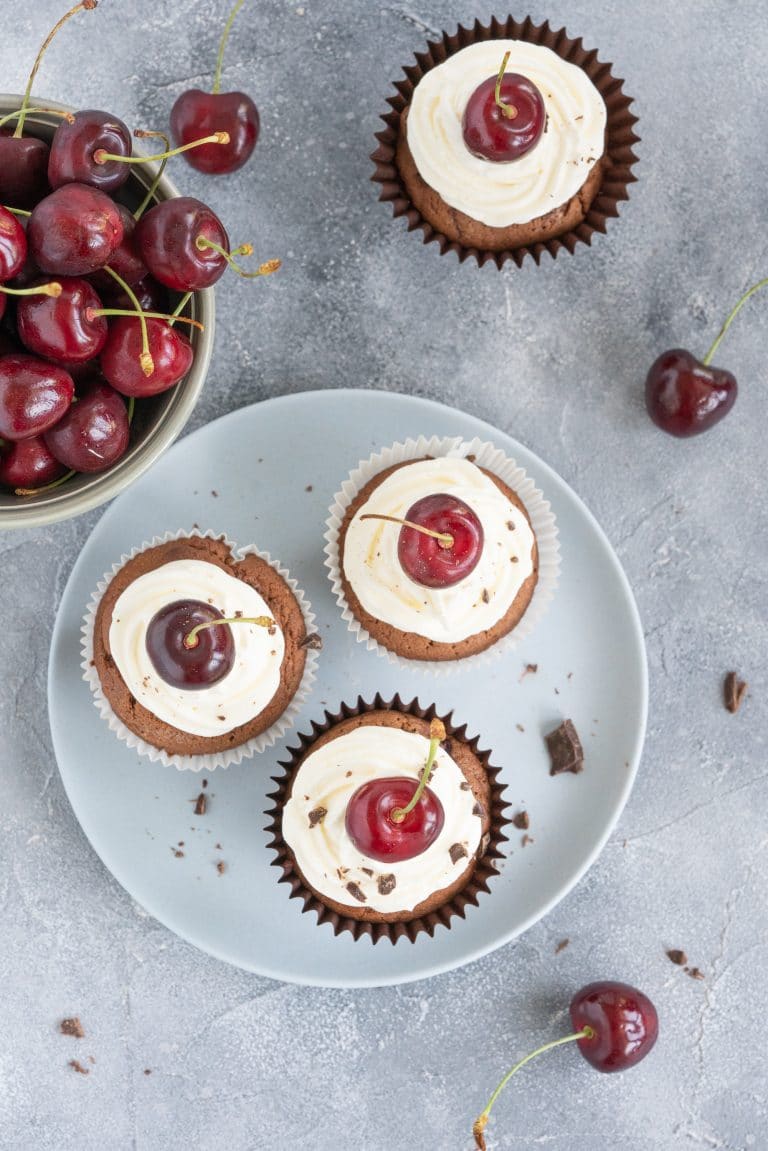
(620, 139)
(485, 867)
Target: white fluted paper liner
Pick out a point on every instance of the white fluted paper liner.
(494, 460)
(215, 759)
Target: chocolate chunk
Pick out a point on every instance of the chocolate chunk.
(565, 750)
(367, 870)
(486, 597)
(677, 956)
(202, 804)
(733, 691)
(78, 1067)
(695, 972)
(356, 892)
(478, 809)
(522, 820)
(313, 642)
(386, 884)
(72, 1027)
(562, 946)
(317, 816)
(457, 851)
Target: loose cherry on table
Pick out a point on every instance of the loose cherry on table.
(394, 819)
(616, 1026)
(28, 464)
(504, 117)
(684, 395)
(67, 328)
(74, 231)
(94, 433)
(197, 113)
(34, 395)
(190, 643)
(440, 542)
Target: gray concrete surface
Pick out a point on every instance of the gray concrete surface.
(557, 357)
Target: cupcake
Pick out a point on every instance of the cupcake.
(387, 820)
(198, 654)
(433, 552)
(506, 140)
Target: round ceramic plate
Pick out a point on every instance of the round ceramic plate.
(266, 475)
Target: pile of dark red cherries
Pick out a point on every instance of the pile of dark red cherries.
(86, 283)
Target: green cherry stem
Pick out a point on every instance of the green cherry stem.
(508, 110)
(17, 211)
(445, 539)
(191, 640)
(739, 305)
(266, 269)
(222, 45)
(86, 6)
(36, 111)
(92, 313)
(179, 309)
(130, 409)
(436, 736)
(53, 289)
(145, 134)
(101, 156)
(145, 359)
(46, 488)
(482, 1119)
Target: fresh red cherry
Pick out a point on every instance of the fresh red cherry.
(504, 117)
(443, 559)
(181, 242)
(64, 329)
(125, 260)
(171, 353)
(74, 231)
(175, 661)
(376, 835)
(71, 160)
(623, 1022)
(13, 246)
(94, 433)
(685, 396)
(152, 297)
(34, 395)
(23, 170)
(28, 464)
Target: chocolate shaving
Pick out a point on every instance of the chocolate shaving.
(356, 892)
(457, 851)
(565, 750)
(562, 946)
(522, 820)
(312, 642)
(202, 804)
(486, 597)
(386, 884)
(677, 956)
(529, 669)
(526, 840)
(367, 870)
(733, 691)
(519, 727)
(317, 816)
(694, 972)
(72, 1027)
(78, 1067)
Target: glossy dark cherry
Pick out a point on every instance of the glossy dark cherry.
(623, 1019)
(425, 559)
(167, 235)
(13, 246)
(492, 135)
(28, 464)
(125, 260)
(94, 433)
(23, 169)
(152, 297)
(61, 328)
(685, 397)
(74, 231)
(34, 395)
(196, 114)
(170, 349)
(73, 146)
(191, 668)
(376, 835)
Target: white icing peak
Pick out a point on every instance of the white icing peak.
(501, 194)
(324, 852)
(246, 689)
(450, 614)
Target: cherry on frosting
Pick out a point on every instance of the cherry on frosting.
(505, 117)
(440, 562)
(184, 665)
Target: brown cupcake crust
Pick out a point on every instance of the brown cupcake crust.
(474, 773)
(409, 645)
(252, 570)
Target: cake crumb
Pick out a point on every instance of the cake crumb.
(147, 1070)
(562, 946)
(678, 957)
(694, 972)
(221, 866)
(72, 1026)
(308, 488)
(526, 840)
(78, 1067)
(529, 669)
(519, 727)
(201, 806)
(522, 820)
(214, 493)
(733, 691)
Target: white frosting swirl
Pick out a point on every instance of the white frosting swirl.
(450, 614)
(243, 692)
(501, 194)
(327, 857)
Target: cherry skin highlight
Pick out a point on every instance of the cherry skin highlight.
(125, 260)
(34, 396)
(73, 146)
(190, 668)
(74, 231)
(13, 246)
(94, 433)
(62, 328)
(23, 170)
(167, 237)
(427, 560)
(490, 133)
(28, 464)
(171, 352)
(196, 114)
(684, 396)
(376, 835)
(623, 1021)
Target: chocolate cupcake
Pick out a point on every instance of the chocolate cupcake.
(506, 140)
(347, 842)
(198, 654)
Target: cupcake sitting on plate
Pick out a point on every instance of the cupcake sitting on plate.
(506, 140)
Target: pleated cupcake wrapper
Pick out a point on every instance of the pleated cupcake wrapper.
(620, 139)
(485, 867)
(493, 460)
(211, 760)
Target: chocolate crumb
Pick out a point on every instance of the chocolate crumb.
(147, 1070)
(519, 727)
(221, 867)
(78, 1067)
(177, 854)
(313, 642)
(356, 892)
(695, 972)
(522, 820)
(677, 956)
(180, 843)
(526, 840)
(317, 816)
(308, 488)
(204, 784)
(513, 559)
(562, 946)
(73, 1027)
(217, 847)
(529, 669)
(386, 884)
(565, 750)
(271, 630)
(238, 615)
(465, 785)
(348, 774)
(202, 804)
(471, 458)
(91, 1059)
(457, 851)
(221, 717)
(510, 525)
(214, 493)
(486, 597)
(733, 691)
(367, 870)
(478, 809)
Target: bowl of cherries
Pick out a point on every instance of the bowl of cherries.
(106, 303)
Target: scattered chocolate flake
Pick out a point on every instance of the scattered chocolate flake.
(478, 809)
(317, 816)
(238, 615)
(214, 493)
(570, 675)
(529, 669)
(448, 745)
(72, 1027)
(204, 784)
(217, 847)
(367, 870)
(313, 642)
(341, 871)
(272, 630)
(526, 840)
(486, 597)
(348, 773)
(147, 1070)
(202, 804)
(562, 946)
(221, 717)
(457, 851)
(514, 560)
(386, 884)
(177, 854)
(519, 727)
(465, 785)
(356, 892)
(180, 843)
(221, 867)
(91, 1059)
(522, 820)
(78, 1067)
(308, 488)
(565, 750)
(471, 458)
(694, 972)
(733, 691)
(511, 525)
(677, 956)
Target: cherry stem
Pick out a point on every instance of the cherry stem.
(179, 309)
(92, 313)
(144, 134)
(130, 409)
(508, 110)
(53, 289)
(266, 269)
(17, 211)
(103, 157)
(222, 45)
(482, 1119)
(145, 359)
(191, 640)
(445, 539)
(740, 304)
(35, 111)
(85, 6)
(46, 488)
(437, 734)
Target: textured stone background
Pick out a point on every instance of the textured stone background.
(556, 356)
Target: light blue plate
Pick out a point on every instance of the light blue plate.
(266, 475)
